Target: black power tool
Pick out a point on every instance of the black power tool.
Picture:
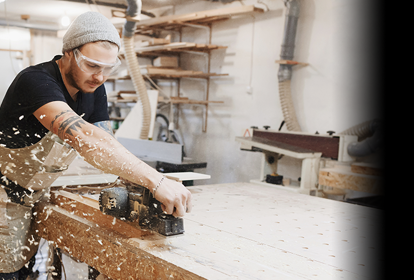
(136, 203)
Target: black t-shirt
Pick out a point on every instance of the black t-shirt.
(34, 87)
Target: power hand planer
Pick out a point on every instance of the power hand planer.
(136, 204)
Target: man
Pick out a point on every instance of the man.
(65, 97)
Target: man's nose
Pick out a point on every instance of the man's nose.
(99, 76)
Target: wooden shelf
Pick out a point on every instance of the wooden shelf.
(173, 100)
(203, 19)
(188, 101)
(291, 62)
(171, 76)
(174, 22)
(175, 48)
(120, 100)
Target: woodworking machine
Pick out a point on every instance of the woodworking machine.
(309, 148)
(136, 204)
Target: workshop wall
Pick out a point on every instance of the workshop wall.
(45, 45)
(332, 93)
(37, 46)
(12, 62)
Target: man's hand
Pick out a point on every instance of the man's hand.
(175, 198)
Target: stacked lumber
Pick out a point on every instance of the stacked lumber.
(176, 47)
(166, 61)
(173, 48)
(361, 177)
(186, 100)
(153, 70)
(155, 41)
(164, 74)
(123, 96)
(202, 17)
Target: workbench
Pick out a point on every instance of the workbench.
(235, 231)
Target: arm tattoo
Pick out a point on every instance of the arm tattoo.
(105, 125)
(69, 125)
(57, 117)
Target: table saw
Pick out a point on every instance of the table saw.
(235, 231)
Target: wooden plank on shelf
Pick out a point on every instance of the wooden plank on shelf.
(291, 62)
(174, 76)
(190, 101)
(165, 47)
(205, 16)
(166, 61)
(159, 50)
(178, 98)
(156, 41)
(179, 46)
(123, 96)
(178, 76)
(186, 100)
(152, 70)
(11, 50)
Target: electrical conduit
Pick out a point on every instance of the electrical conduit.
(285, 70)
(134, 9)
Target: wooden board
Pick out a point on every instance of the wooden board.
(235, 231)
(176, 47)
(101, 248)
(187, 176)
(166, 61)
(156, 41)
(344, 178)
(152, 70)
(291, 62)
(190, 101)
(366, 168)
(89, 209)
(201, 16)
(174, 76)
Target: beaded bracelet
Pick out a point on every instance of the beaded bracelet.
(156, 187)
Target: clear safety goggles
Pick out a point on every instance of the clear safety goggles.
(91, 66)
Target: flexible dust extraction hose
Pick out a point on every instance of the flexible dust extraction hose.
(288, 109)
(134, 9)
(285, 70)
(370, 135)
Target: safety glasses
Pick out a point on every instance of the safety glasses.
(91, 66)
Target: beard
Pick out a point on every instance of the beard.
(73, 79)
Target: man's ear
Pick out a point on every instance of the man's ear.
(68, 55)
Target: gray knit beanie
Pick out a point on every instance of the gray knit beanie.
(90, 27)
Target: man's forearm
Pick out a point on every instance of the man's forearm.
(105, 125)
(103, 151)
